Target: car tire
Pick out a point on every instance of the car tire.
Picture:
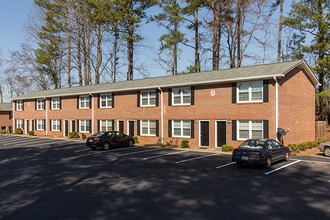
(239, 164)
(130, 143)
(327, 151)
(106, 146)
(268, 162)
(286, 156)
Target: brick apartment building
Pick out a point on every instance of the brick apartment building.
(208, 109)
(6, 121)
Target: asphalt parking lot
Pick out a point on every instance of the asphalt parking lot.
(62, 179)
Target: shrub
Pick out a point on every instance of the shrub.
(227, 148)
(185, 144)
(83, 136)
(18, 131)
(296, 148)
(3, 131)
(136, 139)
(31, 133)
(73, 135)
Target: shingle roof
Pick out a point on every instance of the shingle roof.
(258, 72)
(5, 107)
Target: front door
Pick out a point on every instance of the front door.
(131, 128)
(205, 133)
(121, 127)
(66, 128)
(221, 133)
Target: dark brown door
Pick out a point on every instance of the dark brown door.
(221, 133)
(131, 128)
(205, 133)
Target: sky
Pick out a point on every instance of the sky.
(13, 16)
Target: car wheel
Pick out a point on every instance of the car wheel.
(239, 164)
(106, 146)
(286, 158)
(327, 151)
(268, 162)
(130, 143)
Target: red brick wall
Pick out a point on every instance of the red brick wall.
(297, 107)
(5, 120)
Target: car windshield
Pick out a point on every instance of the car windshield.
(256, 144)
(99, 134)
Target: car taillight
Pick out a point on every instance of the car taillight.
(255, 155)
(97, 139)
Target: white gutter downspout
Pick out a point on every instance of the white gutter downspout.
(46, 122)
(276, 105)
(161, 115)
(92, 106)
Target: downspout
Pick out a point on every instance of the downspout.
(13, 116)
(161, 115)
(92, 106)
(276, 105)
(46, 122)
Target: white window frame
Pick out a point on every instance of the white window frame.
(147, 128)
(180, 94)
(107, 124)
(250, 91)
(107, 99)
(20, 123)
(41, 124)
(181, 126)
(55, 125)
(251, 127)
(40, 104)
(84, 126)
(84, 102)
(55, 103)
(19, 105)
(148, 98)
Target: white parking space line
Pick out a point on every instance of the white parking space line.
(163, 155)
(227, 164)
(36, 143)
(297, 161)
(195, 158)
(323, 157)
(137, 152)
(315, 161)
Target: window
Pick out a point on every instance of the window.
(40, 124)
(20, 123)
(148, 127)
(55, 103)
(148, 98)
(84, 125)
(181, 96)
(55, 125)
(181, 129)
(84, 101)
(20, 105)
(250, 92)
(40, 104)
(250, 129)
(106, 101)
(106, 125)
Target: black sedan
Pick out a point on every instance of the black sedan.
(107, 139)
(260, 151)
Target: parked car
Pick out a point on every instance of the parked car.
(107, 139)
(325, 148)
(260, 151)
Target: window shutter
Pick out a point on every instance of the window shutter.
(90, 126)
(169, 128)
(50, 125)
(60, 125)
(169, 97)
(192, 95)
(138, 98)
(60, 103)
(78, 102)
(266, 128)
(90, 101)
(234, 130)
(98, 125)
(265, 91)
(157, 128)
(98, 100)
(138, 128)
(36, 104)
(78, 126)
(44, 121)
(113, 124)
(192, 127)
(23, 105)
(113, 100)
(233, 93)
